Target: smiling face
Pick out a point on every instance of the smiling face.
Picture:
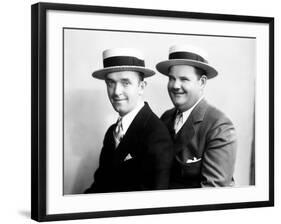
(125, 90)
(185, 86)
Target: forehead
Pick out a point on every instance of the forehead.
(121, 75)
(183, 71)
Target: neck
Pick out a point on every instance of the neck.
(191, 107)
(137, 107)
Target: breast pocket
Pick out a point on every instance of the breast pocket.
(189, 168)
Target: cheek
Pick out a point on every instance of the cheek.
(129, 93)
(196, 88)
(188, 87)
(109, 91)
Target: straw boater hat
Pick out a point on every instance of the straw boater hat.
(122, 59)
(186, 55)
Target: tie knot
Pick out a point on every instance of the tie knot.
(179, 115)
(119, 122)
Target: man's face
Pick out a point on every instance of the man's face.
(124, 90)
(185, 87)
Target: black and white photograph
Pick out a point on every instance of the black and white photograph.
(213, 148)
(148, 112)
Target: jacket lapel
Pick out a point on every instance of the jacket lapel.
(130, 139)
(170, 122)
(187, 131)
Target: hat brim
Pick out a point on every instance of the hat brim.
(163, 67)
(101, 73)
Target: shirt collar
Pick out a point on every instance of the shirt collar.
(129, 117)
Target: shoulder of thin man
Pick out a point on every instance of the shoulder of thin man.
(156, 126)
(167, 114)
(110, 129)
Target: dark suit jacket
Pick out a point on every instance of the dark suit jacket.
(208, 138)
(149, 143)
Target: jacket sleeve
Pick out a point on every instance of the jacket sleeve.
(101, 176)
(219, 157)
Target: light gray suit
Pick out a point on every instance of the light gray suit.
(205, 148)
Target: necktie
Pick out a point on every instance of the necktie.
(118, 132)
(178, 122)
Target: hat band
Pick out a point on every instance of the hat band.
(186, 55)
(122, 61)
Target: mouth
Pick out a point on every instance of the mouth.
(117, 100)
(178, 93)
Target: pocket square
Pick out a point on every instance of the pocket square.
(128, 157)
(194, 160)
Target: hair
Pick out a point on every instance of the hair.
(199, 72)
(141, 76)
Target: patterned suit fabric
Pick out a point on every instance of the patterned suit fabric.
(148, 142)
(205, 148)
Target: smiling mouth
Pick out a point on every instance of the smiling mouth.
(118, 100)
(177, 93)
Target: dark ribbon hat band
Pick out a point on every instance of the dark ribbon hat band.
(122, 61)
(186, 55)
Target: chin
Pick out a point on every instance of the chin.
(177, 102)
(179, 105)
(120, 110)
(117, 108)
(122, 113)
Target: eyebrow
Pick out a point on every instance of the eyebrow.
(125, 79)
(178, 77)
(121, 80)
(183, 77)
(109, 80)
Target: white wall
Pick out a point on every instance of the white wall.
(15, 110)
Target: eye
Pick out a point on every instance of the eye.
(184, 79)
(125, 83)
(109, 83)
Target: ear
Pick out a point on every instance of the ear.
(203, 81)
(142, 86)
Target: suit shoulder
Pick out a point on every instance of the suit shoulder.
(154, 123)
(153, 119)
(167, 113)
(216, 115)
(109, 130)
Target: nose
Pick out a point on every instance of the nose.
(176, 84)
(117, 89)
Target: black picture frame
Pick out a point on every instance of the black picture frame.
(39, 109)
